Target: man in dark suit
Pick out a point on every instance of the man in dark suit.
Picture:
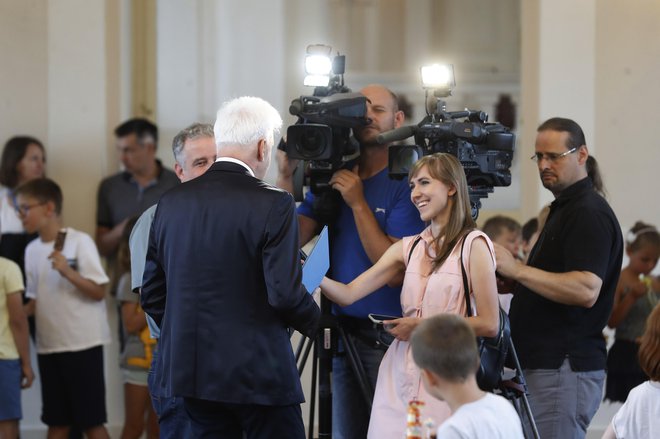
(222, 280)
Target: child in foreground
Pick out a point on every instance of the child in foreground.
(445, 349)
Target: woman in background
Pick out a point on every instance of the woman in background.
(23, 159)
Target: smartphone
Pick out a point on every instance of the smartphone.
(379, 318)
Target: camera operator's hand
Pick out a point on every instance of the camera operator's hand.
(285, 169)
(349, 185)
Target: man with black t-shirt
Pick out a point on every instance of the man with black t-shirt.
(565, 295)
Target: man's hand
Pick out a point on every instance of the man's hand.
(349, 185)
(285, 166)
(285, 169)
(507, 264)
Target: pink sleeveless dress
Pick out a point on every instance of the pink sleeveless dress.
(422, 295)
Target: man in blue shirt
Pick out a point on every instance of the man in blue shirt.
(374, 213)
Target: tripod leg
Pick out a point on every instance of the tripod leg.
(312, 399)
(520, 378)
(308, 343)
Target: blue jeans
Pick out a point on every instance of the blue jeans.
(172, 417)
(350, 412)
(563, 401)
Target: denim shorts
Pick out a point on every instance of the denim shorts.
(10, 390)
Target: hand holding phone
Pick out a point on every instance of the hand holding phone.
(379, 319)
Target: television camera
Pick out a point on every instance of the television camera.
(322, 136)
(484, 149)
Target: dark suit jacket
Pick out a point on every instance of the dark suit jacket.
(222, 280)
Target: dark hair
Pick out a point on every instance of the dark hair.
(642, 234)
(14, 151)
(529, 228)
(142, 128)
(43, 189)
(494, 226)
(575, 133)
(593, 171)
(446, 345)
(446, 168)
(649, 347)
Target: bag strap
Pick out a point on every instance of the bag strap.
(419, 238)
(466, 287)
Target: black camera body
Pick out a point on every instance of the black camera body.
(323, 134)
(484, 149)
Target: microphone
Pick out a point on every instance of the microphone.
(396, 134)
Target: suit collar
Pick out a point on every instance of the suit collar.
(221, 161)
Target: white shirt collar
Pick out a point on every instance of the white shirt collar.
(237, 161)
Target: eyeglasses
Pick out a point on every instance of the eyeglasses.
(551, 156)
(23, 209)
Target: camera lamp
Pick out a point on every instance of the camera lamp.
(438, 77)
(318, 65)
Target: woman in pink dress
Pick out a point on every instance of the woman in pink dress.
(433, 284)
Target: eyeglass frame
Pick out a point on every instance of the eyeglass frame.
(552, 157)
(25, 209)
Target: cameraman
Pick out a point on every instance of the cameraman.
(375, 212)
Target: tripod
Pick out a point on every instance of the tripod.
(514, 388)
(325, 348)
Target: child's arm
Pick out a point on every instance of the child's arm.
(133, 317)
(88, 287)
(29, 307)
(19, 328)
(625, 297)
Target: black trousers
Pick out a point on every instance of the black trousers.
(212, 419)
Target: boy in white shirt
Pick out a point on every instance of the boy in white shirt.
(445, 349)
(67, 291)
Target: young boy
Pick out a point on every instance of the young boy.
(65, 282)
(445, 349)
(506, 232)
(15, 367)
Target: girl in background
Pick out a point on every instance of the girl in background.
(136, 357)
(639, 417)
(636, 295)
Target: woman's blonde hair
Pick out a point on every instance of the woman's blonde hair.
(447, 169)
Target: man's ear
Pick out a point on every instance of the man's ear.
(262, 150)
(399, 118)
(583, 154)
(178, 170)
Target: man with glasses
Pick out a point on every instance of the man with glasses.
(565, 293)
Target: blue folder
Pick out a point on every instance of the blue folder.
(317, 263)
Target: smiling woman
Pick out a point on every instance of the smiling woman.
(432, 285)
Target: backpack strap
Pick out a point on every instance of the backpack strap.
(466, 287)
